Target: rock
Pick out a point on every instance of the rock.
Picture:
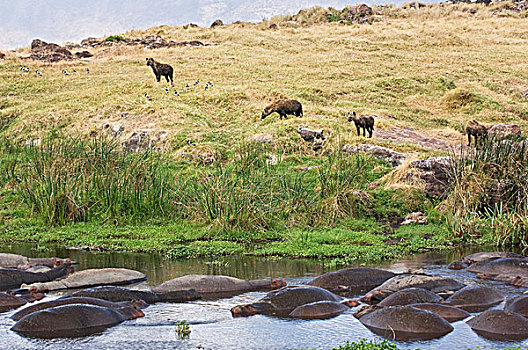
(319, 310)
(475, 298)
(283, 301)
(143, 140)
(501, 131)
(115, 130)
(83, 54)
(217, 23)
(406, 323)
(434, 172)
(49, 51)
(383, 153)
(457, 265)
(262, 138)
(500, 325)
(76, 320)
(411, 296)
(275, 26)
(217, 285)
(435, 284)
(447, 312)
(361, 9)
(90, 278)
(90, 42)
(16, 277)
(115, 294)
(415, 218)
(353, 280)
(2, 55)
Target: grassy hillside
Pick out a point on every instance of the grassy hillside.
(430, 69)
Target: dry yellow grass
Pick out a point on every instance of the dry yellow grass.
(418, 66)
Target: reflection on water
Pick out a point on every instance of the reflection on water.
(212, 326)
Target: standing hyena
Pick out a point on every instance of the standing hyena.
(160, 69)
(478, 131)
(284, 108)
(364, 121)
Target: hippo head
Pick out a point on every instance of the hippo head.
(276, 284)
(350, 302)
(130, 312)
(244, 310)
(59, 262)
(138, 304)
(352, 116)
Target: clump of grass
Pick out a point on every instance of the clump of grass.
(364, 344)
(115, 38)
(459, 98)
(489, 191)
(182, 329)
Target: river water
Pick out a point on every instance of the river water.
(211, 324)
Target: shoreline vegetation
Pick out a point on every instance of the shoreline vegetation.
(87, 161)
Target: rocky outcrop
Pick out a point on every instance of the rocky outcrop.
(149, 42)
(83, 54)
(501, 131)
(379, 152)
(262, 138)
(217, 23)
(49, 52)
(433, 173)
(142, 140)
(415, 218)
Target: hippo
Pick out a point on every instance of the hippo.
(319, 310)
(9, 301)
(138, 304)
(411, 296)
(435, 284)
(75, 320)
(486, 256)
(352, 280)
(217, 285)
(475, 298)
(405, 323)
(115, 294)
(518, 305)
(500, 325)
(501, 266)
(283, 301)
(15, 261)
(90, 278)
(457, 265)
(16, 277)
(447, 312)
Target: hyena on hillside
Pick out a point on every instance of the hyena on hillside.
(160, 69)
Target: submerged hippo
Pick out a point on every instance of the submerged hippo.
(475, 298)
(447, 312)
(319, 310)
(501, 266)
(75, 320)
(411, 296)
(16, 261)
(500, 325)
(9, 301)
(405, 323)
(518, 305)
(435, 284)
(90, 278)
(217, 285)
(137, 304)
(115, 294)
(16, 277)
(283, 301)
(486, 256)
(353, 280)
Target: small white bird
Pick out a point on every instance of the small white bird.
(210, 84)
(38, 73)
(65, 73)
(147, 97)
(176, 93)
(189, 142)
(166, 90)
(197, 82)
(187, 86)
(206, 87)
(87, 70)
